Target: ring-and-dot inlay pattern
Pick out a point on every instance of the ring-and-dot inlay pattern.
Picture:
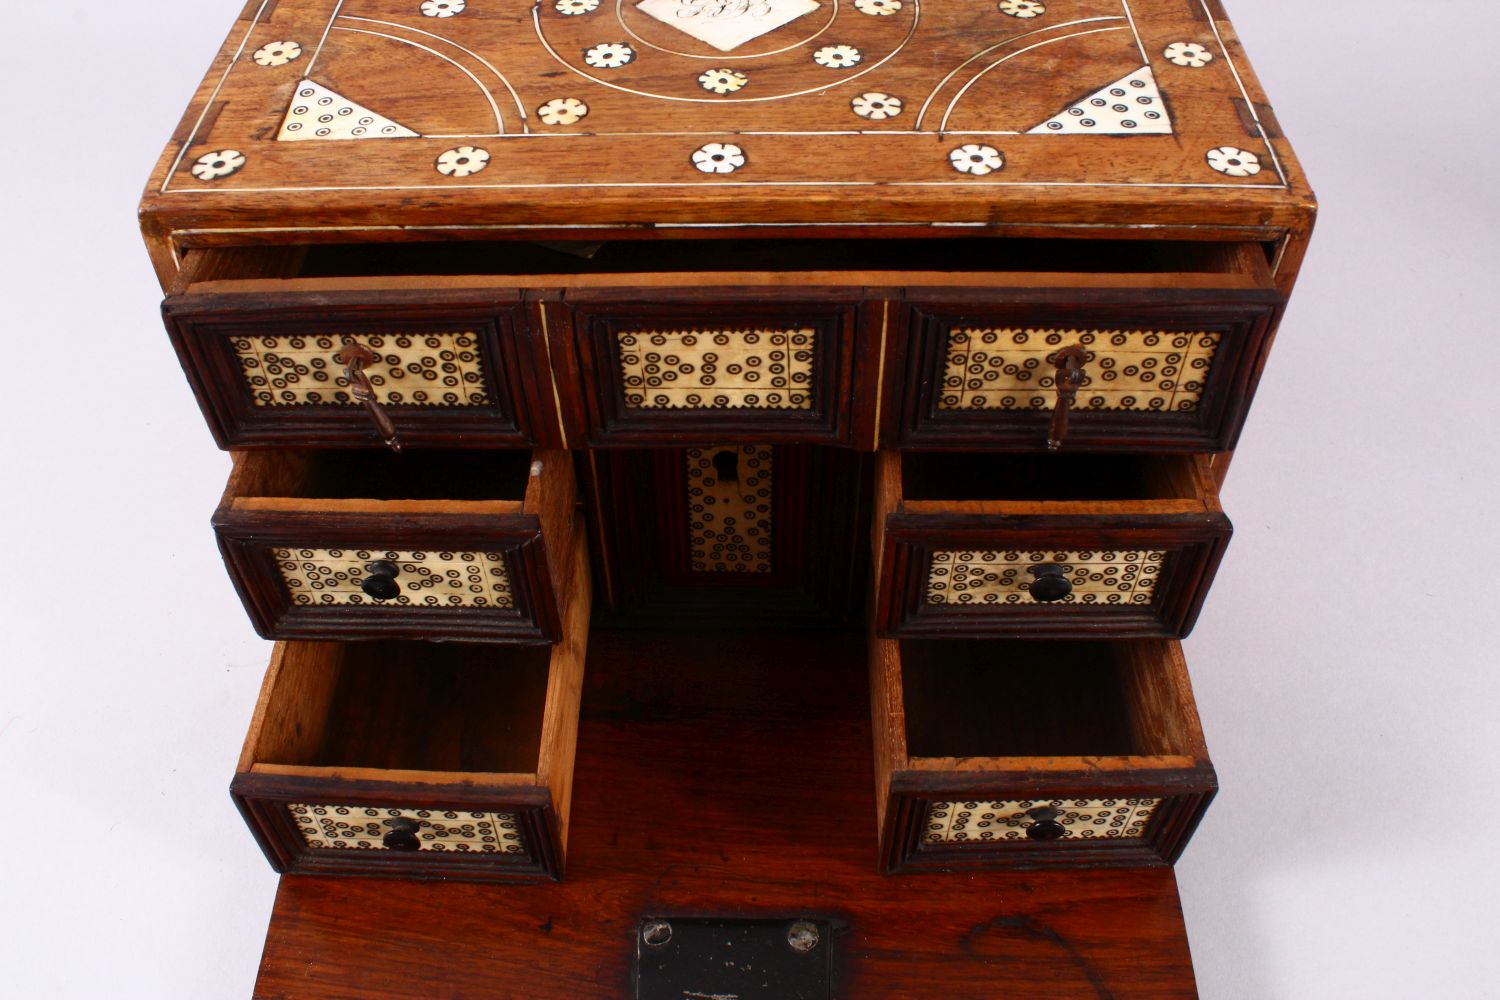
(955, 823)
(729, 508)
(990, 578)
(1013, 369)
(335, 577)
(418, 369)
(364, 828)
(717, 369)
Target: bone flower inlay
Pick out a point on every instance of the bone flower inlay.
(727, 24)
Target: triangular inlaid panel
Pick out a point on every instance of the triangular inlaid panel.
(320, 113)
(1131, 105)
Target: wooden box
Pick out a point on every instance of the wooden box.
(996, 545)
(430, 544)
(450, 760)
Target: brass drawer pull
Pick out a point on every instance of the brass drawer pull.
(1051, 583)
(1044, 825)
(356, 358)
(381, 582)
(1069, 379)
(402, 835)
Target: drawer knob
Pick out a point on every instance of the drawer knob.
(1044, 825)
(1069, 378)
(1051, 583)
(402, 835)
(356, 358)
(380, 580)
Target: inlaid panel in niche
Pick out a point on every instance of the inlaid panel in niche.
(419, 369)
(717, 369)
(986, 578)
(364, 828)
(729, 509)
(1081, 819)
(427, 579)
(1013, 369)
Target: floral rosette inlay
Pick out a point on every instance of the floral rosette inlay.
(837, 56)
(463, 161)
(976, 160)
(719, 158)
(610, 55)
(876, 107)
(562, 111)
(723, 81)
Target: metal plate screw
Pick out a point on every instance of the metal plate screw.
(802, 936)
(658, 932)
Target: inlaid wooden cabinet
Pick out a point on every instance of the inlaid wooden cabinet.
(649, 420)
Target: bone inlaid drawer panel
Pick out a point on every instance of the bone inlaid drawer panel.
(368, 828)
(1013, 369)
(718, 369)
(1014, 753)
(1016, 545)
(420, 369)
(426, 579)
(700, 366)
(730, 498)
(425, 544)
(988, 822)
(979, 577)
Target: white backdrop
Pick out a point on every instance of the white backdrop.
(1344, 664)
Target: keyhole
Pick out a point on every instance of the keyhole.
(727, 466)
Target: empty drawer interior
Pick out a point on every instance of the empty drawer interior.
(1000, 699)
(948, 476)
(382, 475)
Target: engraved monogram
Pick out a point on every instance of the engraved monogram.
(726, 24)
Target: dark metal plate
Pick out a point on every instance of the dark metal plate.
(680, 958)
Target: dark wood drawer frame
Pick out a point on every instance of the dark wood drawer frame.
(250, 527)
(1193, 532)
(838, 318)
(909, 784)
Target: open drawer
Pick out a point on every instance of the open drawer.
(1027, 545)
(425, 544)
(450, 760)
(1018, 754)
(1159, 348)
(274, 346)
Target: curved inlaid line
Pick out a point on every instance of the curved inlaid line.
(998, 45)
(470, 52)
(948, 112)
(499, 123)
(620, 16)
(536, 20)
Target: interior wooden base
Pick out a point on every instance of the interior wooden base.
(724, 774)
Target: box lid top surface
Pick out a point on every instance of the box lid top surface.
(348, 114)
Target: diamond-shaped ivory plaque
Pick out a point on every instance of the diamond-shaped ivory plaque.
(727, 24)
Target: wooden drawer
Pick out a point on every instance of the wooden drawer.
(703, 365)
(426, 544)
(1169, 358)
(264, 351)
(450, 760)
(1013, 545)
(729, 535)
(1019, 754)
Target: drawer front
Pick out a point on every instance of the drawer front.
(445, 373)
(1067, 829)
(373, 828)
(460, 576)
(1154, 376)
(748, 365)
(984, 577)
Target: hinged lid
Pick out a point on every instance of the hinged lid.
(372, 116)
